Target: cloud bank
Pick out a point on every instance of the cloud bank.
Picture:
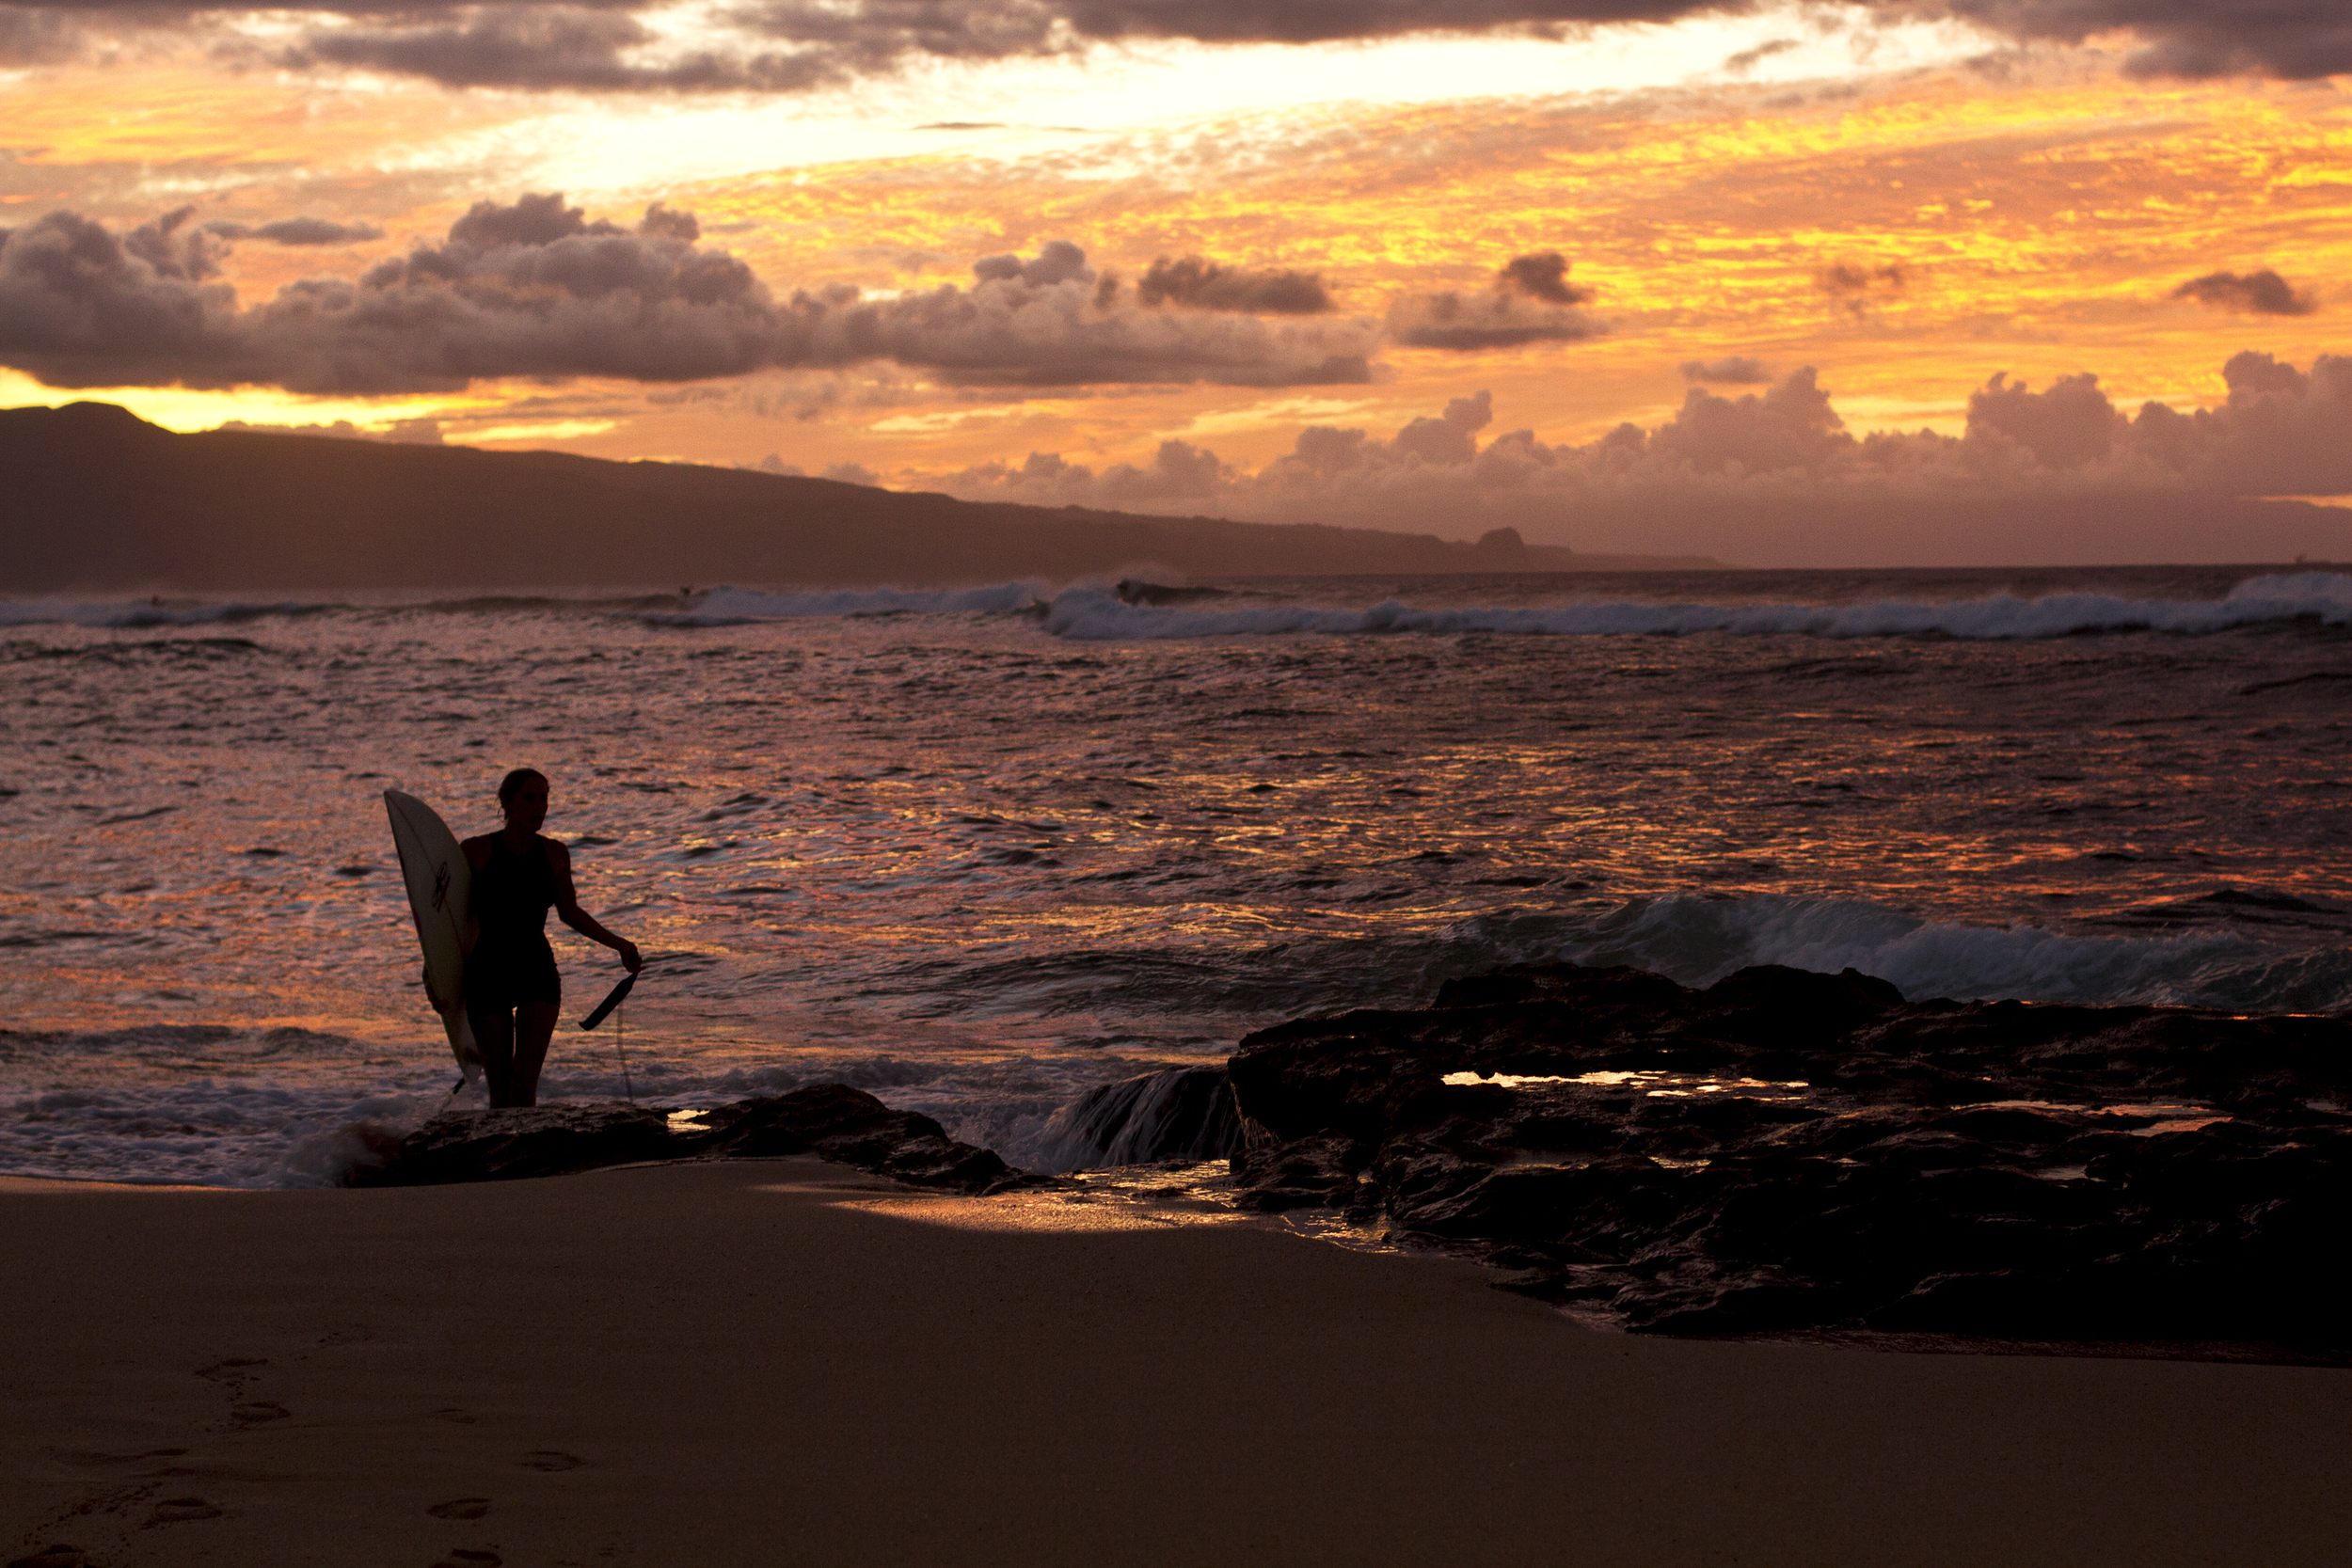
(537, 289)
(2055, 473)
(792, 45)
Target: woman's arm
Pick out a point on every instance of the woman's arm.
(567, 907)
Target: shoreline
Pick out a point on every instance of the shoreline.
(787, 1361)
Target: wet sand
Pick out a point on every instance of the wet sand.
(784, 1363)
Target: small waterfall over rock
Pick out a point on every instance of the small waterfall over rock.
(1178, 1114)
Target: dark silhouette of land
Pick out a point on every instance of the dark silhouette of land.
(96, 498)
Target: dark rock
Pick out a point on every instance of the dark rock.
(1790, 1150)
(853, 1125)
(1774, 1005)
(545, 1140)
(1534, 1202)
(941, 1162)
(1313, 1172)
(830, 1121)
(837, 1122)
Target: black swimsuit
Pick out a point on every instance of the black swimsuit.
(511, 962)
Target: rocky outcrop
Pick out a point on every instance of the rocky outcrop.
(837, 1123)
(830, 1120)
(1791, 1150)
(503, 1146)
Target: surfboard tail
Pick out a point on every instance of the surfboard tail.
(462, 1046)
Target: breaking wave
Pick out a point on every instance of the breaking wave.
(2324, 597)
(140, 613)
(735, 607)
(1698, 940)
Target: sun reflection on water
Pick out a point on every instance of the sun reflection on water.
(1649, 1080)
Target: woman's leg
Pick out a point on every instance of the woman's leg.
(494, 1032)
(534, 1026)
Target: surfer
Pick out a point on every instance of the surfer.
(513, 991)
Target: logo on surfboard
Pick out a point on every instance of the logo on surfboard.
(440, 885)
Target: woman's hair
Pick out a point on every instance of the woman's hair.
(514, 782)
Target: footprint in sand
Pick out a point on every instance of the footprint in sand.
(180, 1511)
(258, 1411)
(53, 1557)
(460, 1508)
(108, 1461)
(551, 1459)
(461, 1557)
(232, 1370)
(461, 1417)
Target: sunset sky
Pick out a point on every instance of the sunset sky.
(1302, 259)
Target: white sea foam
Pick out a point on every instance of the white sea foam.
(730, 607)
(232, 1133)
(1092, 613)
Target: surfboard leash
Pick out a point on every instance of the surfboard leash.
(613, 999)
(620, 1043)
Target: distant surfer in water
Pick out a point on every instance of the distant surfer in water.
(513, 991)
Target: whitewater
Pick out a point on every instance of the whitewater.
(981, 850)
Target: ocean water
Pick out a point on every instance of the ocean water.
(978, 851)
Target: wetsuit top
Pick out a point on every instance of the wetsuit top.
(511, 962)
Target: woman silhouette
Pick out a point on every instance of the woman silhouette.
(512, 992)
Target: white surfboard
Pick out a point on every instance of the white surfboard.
(440, 891)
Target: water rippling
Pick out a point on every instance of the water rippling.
(947, 848)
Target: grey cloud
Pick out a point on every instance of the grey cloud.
(2071, 424)
(1057, 262)
(297, 231)
(1451, 437)
(2299, 39)
(537, 289)
(1736, 370)
(547, 47)
(1748, 60)
(1201, 284)
(2260, 294)
(1856, 278)
(1532, 302)
(39, 35)
(175, 251)
(1180, 475)
(1544, 275)
(586, 44)
(1857, 287)
(2282, 432)
(413, 433)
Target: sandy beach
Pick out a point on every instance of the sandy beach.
(785, 1362)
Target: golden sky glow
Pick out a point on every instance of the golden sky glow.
(2033, 219)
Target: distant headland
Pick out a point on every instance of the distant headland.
(99, 500)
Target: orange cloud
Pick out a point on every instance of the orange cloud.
(2040, 225)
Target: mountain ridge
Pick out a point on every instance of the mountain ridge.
(98, 500)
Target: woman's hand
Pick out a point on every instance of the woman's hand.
(632, 960)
